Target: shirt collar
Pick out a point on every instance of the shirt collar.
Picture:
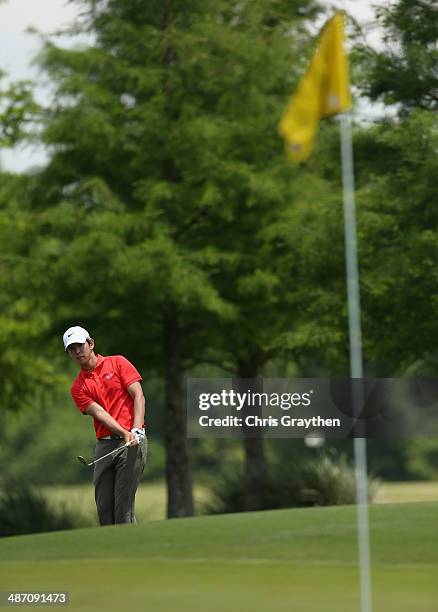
(99, 362)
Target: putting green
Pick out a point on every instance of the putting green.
(302, 559)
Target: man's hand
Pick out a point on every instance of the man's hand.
(130, 438)
(139, 434)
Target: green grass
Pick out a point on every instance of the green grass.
(285, 560)
(150, 500)
(398, 492)
(151, 497)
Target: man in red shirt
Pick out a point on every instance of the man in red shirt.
(109, 390)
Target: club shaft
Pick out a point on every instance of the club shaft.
(119, 448)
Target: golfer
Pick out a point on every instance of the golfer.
(109, 390)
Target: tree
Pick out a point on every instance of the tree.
(405, 71)
(17, 110)
(399, 240)
(287, 285)
(162, 136)
(24, 369)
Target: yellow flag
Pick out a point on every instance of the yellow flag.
(324, 90)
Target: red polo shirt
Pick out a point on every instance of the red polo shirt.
(107, 386)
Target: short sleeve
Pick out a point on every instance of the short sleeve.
(128, 373)
(80, 398)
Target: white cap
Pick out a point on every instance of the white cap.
(75, 334)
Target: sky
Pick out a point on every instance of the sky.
(18, 48)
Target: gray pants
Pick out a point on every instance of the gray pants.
(116, 480)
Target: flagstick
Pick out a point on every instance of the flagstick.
(356, 367)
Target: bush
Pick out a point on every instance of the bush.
(325, 481)
(27, 511)
(329, 482)
(60, 433)
(423, 458)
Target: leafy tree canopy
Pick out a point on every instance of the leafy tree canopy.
(405, 72)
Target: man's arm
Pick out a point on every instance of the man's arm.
(106, 419)
(136, 392)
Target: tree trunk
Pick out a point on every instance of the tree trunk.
(256, 480)
(178, 458)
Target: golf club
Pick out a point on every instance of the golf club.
(113, 452)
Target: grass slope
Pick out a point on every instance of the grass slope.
(151, 497)
(301, 559)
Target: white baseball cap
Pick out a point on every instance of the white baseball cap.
(75, 334)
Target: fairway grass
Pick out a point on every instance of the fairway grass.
(150, 504)
(300, 560)
(151, 497)
(399, 492)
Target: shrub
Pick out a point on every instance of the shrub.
(423, 458)
(27, 511)
(325, 481)
(329, 482)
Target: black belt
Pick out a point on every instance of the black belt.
(112, 438)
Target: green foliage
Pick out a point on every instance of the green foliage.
(398, 241)
(327, 480)
(395, 169)
(405, 71)
(23, 510)
(39, 444)
(166, 163)
(167, 200)
(156, 460)
(389, 459)
(423, 458)
(25, 369)
(17, 111)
